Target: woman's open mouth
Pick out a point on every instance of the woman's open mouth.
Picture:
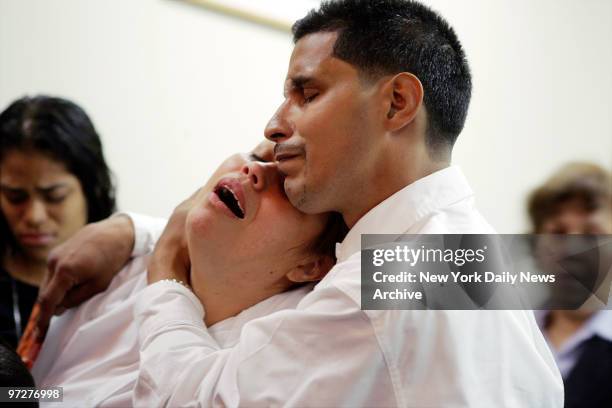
(230, 194)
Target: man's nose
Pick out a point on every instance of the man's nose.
(36, 213)
(280, 127)
(261, 175)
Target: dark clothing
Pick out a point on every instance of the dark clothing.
(589, 382)
(14, 292)
(13, 373)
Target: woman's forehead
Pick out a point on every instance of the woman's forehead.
(30, 166)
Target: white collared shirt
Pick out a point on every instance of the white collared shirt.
(599, 324)
(92, 350)
(327, 352)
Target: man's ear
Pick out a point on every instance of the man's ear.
(403, 99)
(311, 270)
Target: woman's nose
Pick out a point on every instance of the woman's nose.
(35, 214)
(261, 175)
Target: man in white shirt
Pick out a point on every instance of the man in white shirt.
(376, 94)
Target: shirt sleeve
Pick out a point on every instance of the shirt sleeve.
(324, 353)
(147, 231)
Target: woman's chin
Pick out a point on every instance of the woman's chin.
(38, 254)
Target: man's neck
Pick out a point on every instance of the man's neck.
(393, 174)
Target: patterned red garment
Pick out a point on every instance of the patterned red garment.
(29, 345)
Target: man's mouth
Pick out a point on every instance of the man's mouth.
(289, 158)
(285, 152)
(230, 195)
(284, 157)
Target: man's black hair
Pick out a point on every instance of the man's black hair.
(386, 37)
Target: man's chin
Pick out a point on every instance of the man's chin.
(296, 192)
(303, 198)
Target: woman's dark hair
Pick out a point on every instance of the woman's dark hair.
(13, 373)
(586, 182)
(324, 244)
(61, 130)
(335, 230)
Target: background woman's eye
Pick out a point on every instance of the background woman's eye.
(15, 196)
(55, 198)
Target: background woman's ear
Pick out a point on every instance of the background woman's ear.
(312, 270)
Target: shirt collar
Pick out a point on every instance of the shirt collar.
(402, 210)
(600, 324)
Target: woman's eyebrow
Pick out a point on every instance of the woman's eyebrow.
(9, 188)
(51, 188)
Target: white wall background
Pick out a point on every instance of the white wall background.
(174, 88)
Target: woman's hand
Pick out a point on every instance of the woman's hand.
(170, 259)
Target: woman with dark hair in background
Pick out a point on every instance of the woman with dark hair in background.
(578, 200)
(53, 180)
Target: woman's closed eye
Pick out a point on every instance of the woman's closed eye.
(14, 195)
(55, 198)
(257, 158)
(55, 194)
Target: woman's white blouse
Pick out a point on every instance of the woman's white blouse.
(92, 351)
